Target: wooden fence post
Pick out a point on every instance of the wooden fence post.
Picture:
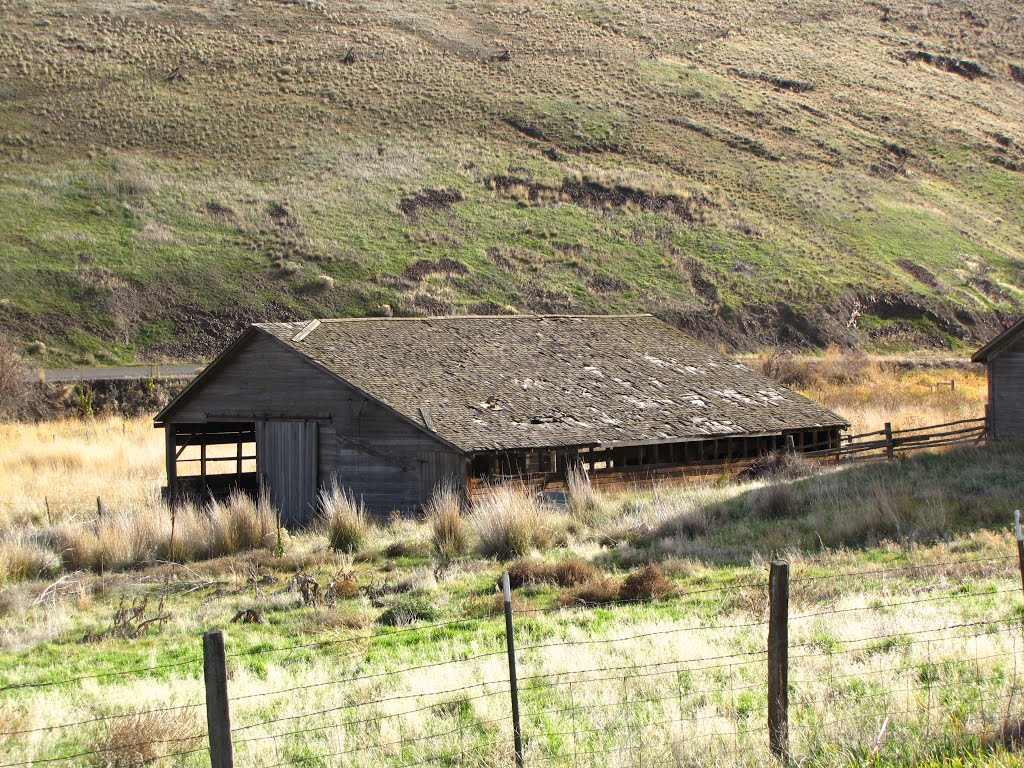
(890, 452)
(517, 732)
(218, 717)
(778, 660)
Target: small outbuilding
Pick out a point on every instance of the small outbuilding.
(1004, 358)
(392, 407)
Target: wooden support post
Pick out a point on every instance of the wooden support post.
(218, 717)
(171, 457)
(517, 733)
(890, 448)
(790, 444)
(202, 458)
(239, 459)
(778, 660)
(1020, 545)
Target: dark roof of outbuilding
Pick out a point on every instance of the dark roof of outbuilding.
(999, 343)
(483, 383)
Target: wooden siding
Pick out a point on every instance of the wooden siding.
(1006, 393)
(287, 460)
(381, 458)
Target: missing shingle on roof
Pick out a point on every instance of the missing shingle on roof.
(548, 418)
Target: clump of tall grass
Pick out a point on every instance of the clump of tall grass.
(132, 537)
(885, 509)
(241, 523)
(449, 536)
(120, 539)
(343, 518)
(510, 522)
(22, 557)
(583, 502)
(774, 501)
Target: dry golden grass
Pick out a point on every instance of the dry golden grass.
(343, 518)
(146, 737)
(509, 522)
(52, 471)
(449, 534)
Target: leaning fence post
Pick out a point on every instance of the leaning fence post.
(1020, 545)
(778, 659)
(889, 447)
(517, 733)
(218, 718)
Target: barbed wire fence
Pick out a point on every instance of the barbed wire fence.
(690, 691)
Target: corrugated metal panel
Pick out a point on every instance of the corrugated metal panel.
(287, 458)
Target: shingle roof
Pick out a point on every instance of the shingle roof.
(999, 343)
(484, 383)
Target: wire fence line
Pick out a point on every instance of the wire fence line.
(681, 694)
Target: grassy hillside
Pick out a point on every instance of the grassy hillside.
(809, 172)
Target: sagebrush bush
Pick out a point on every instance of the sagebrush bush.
(408, 609)
(509, 522)
(344, 518)
(449, 536)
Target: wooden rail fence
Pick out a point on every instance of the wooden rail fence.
(888, 443)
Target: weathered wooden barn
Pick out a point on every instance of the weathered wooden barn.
(1004, 357)
(392, 407)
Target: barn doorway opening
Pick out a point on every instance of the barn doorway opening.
(211, 459)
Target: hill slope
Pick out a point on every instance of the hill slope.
(813, 172)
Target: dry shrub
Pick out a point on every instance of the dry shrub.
(574, 571)
(519, 604)
(688, 523)
(19, 395)
(146, 737)
(597, 591)
(645, 584)
(330, 620)
(23, 557)
(565, 573)
(509, 522)
(781, 465)
(344, 519)
(527, 571)
(449, 538)
(833, 368)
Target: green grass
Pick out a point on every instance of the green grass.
(108, 164)
(863, 604)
